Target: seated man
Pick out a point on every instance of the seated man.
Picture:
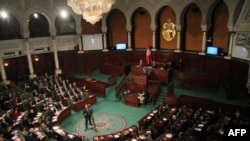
(141, 97)
(144, 71)
(153, 64)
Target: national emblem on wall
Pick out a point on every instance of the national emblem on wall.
(168, 31)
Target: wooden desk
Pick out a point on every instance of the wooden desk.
(142, 136)
(132, 100)
(148, 119)
(96, 86)
(170, 99)
(141, 83)
(100, 88)
(166, 137)
(154, 88)
(56, 120)
(80, 105)
(153, 73)
(195, 102)
(118, 136)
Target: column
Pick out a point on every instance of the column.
(153, 43)
(80, 44)
(31, 75)
(105, 49)
(58, 70)
(231, 41)
(178, 42)
(129, 41)
(3, 74)
(204, 42)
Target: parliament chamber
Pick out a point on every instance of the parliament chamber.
(167, 46)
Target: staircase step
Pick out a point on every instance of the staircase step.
(110, 94)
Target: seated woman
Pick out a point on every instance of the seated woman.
(16, 114)
(32, 113)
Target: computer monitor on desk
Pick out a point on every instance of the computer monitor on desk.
(121, 46)
(212, 50)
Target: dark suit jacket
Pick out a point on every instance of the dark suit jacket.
(77, 138)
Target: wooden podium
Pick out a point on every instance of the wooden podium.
(132, 100)
(80, 105)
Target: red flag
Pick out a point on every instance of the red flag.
(148, 54)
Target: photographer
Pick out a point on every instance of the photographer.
(87, 113)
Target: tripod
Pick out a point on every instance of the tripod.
(93, 120)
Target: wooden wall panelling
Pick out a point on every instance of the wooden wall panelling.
(177, 56)
(109, 57)
(122, 57)
(164, 56)
(223, 68)
(192, 61)
(93, 59)
(184, 81)
(212, 83)
(139, 55)
(89, 61)
(216, 65)
(116, 57)
(51, 59)
(17, 69)
(105, 57)
(71, 62)
(81, 67)
(239, 71)
(45, 63)
(114, 69)
(11, 69)
(129, 57)
(199, 80)
(104, 69)
(67, 62)
(153, 55)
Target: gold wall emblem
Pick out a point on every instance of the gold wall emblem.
(168, 31)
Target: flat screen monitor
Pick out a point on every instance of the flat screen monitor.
(212, 50)
(121, 46)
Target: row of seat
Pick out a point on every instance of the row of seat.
(40, 115)
(184, 123)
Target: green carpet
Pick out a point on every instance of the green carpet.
(105, 123)
(122, 116)
(118, 114)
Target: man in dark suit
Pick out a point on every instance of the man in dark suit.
(65, 137)
(87, 113)
(77, 137)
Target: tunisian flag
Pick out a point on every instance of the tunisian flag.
(148, 54)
